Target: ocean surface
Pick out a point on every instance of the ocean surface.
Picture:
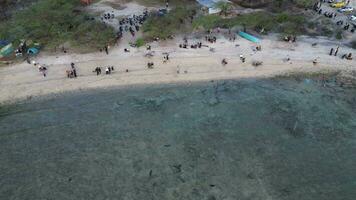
(276, 139)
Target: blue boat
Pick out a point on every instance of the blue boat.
(249, 37)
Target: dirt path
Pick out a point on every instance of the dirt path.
(24, 81)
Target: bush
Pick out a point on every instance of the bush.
(304, 3)
(52, 22)
(140, 42)
(282, 22)
(171, 23)
(339, 35)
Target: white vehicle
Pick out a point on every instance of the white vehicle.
(346, 9)
(353, 18)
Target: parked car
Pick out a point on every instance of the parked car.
(346, 9)
(338, 5)
(353, 18)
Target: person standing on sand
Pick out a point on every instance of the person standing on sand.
(331, 51)
(107, 49)
(242, 58)
(337, 50)
(97, 70)
(74, 70)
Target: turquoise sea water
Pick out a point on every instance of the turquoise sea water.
(247, 140)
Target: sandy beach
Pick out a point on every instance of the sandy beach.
(205, 124)
(21, 81)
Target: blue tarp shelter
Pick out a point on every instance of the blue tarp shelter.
(6, 50)
(249, 37)
(32, 51)
(3, 43)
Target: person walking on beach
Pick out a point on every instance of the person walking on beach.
(331, 51)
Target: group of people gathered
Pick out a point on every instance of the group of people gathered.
(131, 24)
(346, 26)
(185, 44)
(334, 52)
(72, 72)
(108, 70)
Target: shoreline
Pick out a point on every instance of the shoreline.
(284, 75)
(23, 81)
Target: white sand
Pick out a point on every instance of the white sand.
(21, 81)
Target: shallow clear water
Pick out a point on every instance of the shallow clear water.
(249, 139)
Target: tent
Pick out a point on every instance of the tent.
(6, 50)
(249, 37)
(32, 51)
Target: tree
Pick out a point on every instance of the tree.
(224, 7)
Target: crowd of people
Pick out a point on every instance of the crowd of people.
(108, 16)
(131, 24)
(346, 26)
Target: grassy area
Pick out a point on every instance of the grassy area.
(140, 42)
(304, 3)
(282, 22)
(53, 22)
(176, 21)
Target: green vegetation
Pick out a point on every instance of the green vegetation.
(176, 21)
(304, 3)
(282, 22)
(53, 22)
(140, 42)
(225, 7)
(281, 4)
(338, 35)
